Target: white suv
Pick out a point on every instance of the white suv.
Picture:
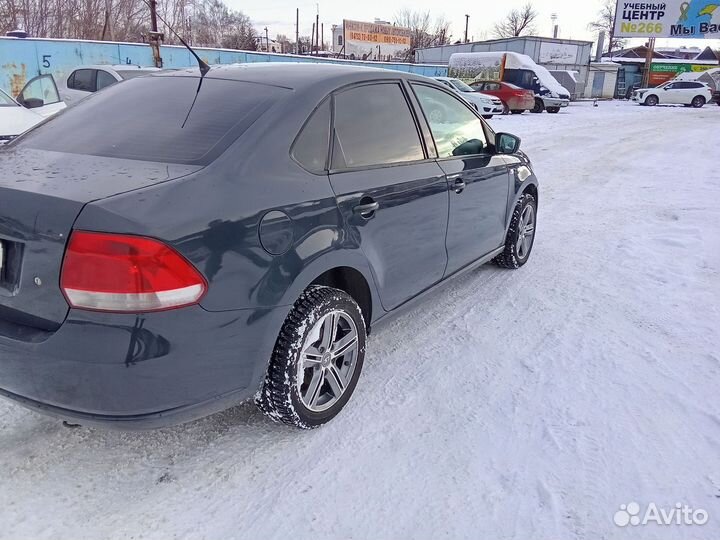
(485, 104)
(688, 93)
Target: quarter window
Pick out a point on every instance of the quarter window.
(374, 126)
(104, 79)
(455, 128)
(311, 146)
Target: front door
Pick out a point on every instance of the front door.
(41, 95)
(394, 201)
(478, 179)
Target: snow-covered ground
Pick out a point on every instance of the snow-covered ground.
(522, 404)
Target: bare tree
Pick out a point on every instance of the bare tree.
(605, 22)
(424, 31)
(203, 22)
(519, 22)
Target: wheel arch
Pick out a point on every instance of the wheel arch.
(353, 282)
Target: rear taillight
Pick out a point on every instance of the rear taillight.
(117, 272)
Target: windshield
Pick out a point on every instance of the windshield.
(457, 83)
(157, 119)
(132, 73)
(6, 101)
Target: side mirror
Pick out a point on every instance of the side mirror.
(32, 103)
(506, 143)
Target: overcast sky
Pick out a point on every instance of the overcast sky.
(573, 15)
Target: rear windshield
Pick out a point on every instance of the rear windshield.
(154, 119)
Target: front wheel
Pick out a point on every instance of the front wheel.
(698, 102)
(553, 110)
(651, 101)
(539, 106)
(521, 234)
(518, 111)
(317, 359)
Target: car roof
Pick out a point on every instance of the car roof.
(295, 76)
(121, 67)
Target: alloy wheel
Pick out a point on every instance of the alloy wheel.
(526, 232)
(327, 361)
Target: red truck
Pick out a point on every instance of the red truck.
(515, 99)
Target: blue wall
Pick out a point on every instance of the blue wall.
(23, 59)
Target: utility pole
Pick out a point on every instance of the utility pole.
(317, 28)
(648, 62)
(312, 39)
(267, 40)
(297, 31)
(322, 36)
(155, 36)
(467, 21)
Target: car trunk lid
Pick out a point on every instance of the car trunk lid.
(41, 195)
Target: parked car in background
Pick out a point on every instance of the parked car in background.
(514, 68)
(485, 104)
(514, 99)
(84, 80)
(688, 93)
(38, 100)
(238, 239)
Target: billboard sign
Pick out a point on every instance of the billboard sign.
(697, 19)
(375, 41)
(660, 72)
(559, 53)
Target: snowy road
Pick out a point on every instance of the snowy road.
(527, 404)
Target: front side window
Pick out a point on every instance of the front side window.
(456, 130)
(374, 126)
(82, 79)
(41, 87)
(311, 147)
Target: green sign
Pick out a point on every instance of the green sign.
(678, 68)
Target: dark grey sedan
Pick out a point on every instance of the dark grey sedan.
(178, 244)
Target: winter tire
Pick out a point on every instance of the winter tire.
(521, 234)
(517, 112)
(487, 116)
(553, 110)
(651, 101)
(317, 359)
(698, 102)
(539, 106)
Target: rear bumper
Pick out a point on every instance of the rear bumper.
(521, 104)
(144, 371)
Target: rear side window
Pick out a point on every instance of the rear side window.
(82, 79)
(374, 126)
(311, 146)
(162, 119)
(104, 79)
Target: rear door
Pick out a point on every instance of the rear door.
(478, 179)
(393, 199)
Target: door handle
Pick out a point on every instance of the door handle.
(459, 186)
(366, 209)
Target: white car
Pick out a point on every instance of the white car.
(688, 93)
(84, 80)
(485, 104)
(39, 99)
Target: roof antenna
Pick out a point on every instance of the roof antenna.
(204, 68)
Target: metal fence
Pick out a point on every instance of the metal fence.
(23, 59)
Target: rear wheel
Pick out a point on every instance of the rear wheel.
(517, 112)
(698, 102)
(539, 106)
(317, 359)
(651, 101)
(553, 110)
(521, 234)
